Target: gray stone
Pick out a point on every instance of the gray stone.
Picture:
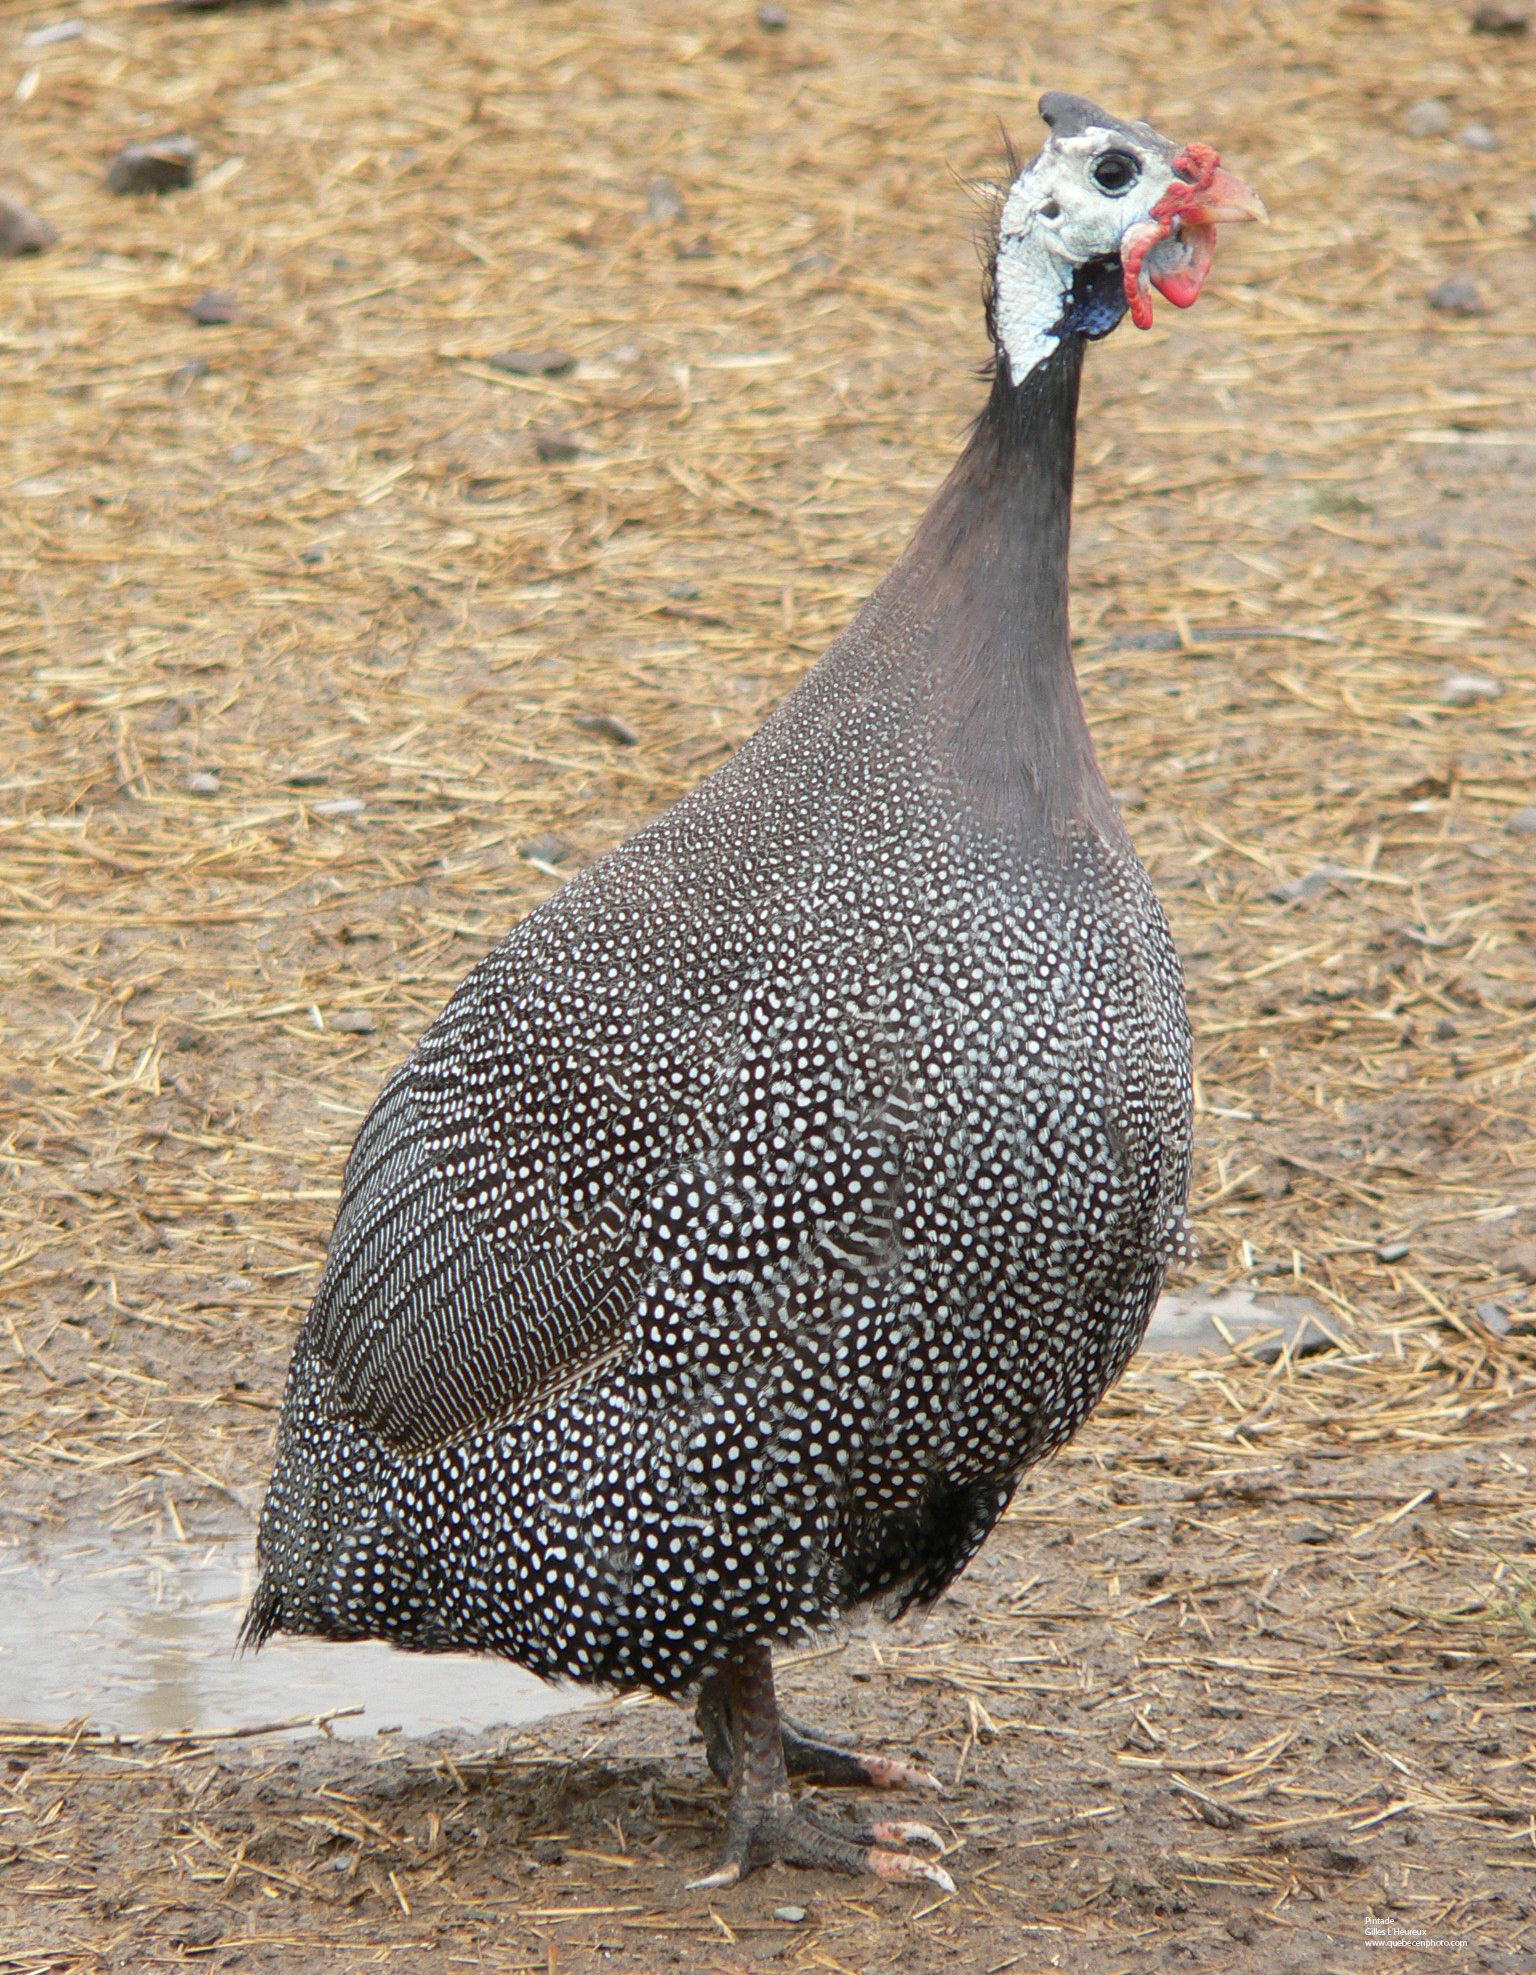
(557, 448)
(532, 363)
(22, 231)
(607, 727)
(166, 164)
(354, 1022)
(1523, 822)
(664, 203)
(1310, 886)
(213, 307)
(1457, 295)
(202, 783)
(1430, 118)
(546, 850)
(1478, 137)
(1499, 19)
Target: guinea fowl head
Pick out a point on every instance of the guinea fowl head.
(1108, 209)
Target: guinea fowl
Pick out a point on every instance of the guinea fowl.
(793, 1178)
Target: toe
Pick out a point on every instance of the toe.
(906, 1866)
(881, 1773)
(723, 1875)
(905, 1831)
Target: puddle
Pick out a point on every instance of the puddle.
(1198, 1320)
(143, 1641)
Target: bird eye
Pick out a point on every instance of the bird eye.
(1115, 171)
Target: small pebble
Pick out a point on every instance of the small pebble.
(1493, 1316)
(1501, 20)
(1458, 296)
(21, 231)
(308, 778)
(241, 455)
(213, 306)
(549, 848)
(1393, 1251)
(684, 592)
(532, 363)
(203, 783)
(168, 164)
(1522, 1260)
(1428, 119)
(354, 1022)
(339, 805)
(1523, 822)
(1314, 883)
(556, 448)
(607, 727)
(1478, 137)
(793, 1914)
(1445, 1029)
(771, 19)
(1468, 689)
(313, 556)
(663, 202)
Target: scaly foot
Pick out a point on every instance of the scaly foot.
(778, 1831)
(806, 1753)
(748, 1749)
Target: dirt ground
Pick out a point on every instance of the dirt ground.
(330, 645)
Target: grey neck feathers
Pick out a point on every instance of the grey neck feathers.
(983, 582)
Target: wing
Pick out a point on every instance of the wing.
(512, 1216)
(486, 1253)
(433, 1321)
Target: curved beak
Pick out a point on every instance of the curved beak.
(1223, 201)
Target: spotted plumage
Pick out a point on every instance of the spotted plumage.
(786, 1184)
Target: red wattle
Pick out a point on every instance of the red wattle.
(1182, 285)
(1196, 169)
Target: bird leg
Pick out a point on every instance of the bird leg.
(740, 1718)
(806, 1753)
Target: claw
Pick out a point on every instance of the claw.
(904, 1832)
(884, 1774)
(723, 1875)
(903, 1866)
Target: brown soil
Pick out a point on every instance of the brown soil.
(306, 617)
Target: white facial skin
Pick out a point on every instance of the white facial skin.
(1055, 218)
